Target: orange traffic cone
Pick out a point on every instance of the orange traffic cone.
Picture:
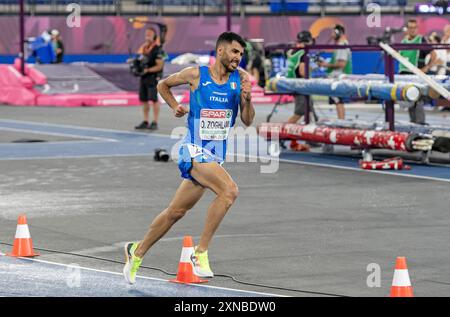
(23, 245)
(401, 285)
(186, 273)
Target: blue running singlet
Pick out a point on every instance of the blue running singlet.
(212, 113)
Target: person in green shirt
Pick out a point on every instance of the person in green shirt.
(341, 63)
(417, 58)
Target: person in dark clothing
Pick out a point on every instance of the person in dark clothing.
(153, 63)
(296, 69)
(257, 66)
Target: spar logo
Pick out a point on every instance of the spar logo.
(216, 114)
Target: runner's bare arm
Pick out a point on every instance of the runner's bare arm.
(189, 75)
(247, 110)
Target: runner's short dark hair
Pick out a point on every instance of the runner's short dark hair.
(229, 37)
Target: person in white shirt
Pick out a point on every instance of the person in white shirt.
(439, 65)
(446, 40)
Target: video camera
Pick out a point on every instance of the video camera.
(316, 58)
(386, 37)
(137, 66)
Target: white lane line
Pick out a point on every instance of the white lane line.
(151, 278)
(59, 134)
(74, 156)
(47, 124)
(51, 142)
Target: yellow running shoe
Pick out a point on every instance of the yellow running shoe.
(132, 262)
(200, 264)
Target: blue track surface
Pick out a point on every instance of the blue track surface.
(28, 277)
(101, 142)
(98, 142)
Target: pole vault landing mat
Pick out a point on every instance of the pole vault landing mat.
(72, 85)
(32, 277)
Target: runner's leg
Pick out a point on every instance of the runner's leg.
(216, 178)
(186, 196)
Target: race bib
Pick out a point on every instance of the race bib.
(215, 124)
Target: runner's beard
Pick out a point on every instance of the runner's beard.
(228, 65)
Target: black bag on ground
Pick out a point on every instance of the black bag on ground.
(161, 155)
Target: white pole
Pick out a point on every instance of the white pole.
(441, 90)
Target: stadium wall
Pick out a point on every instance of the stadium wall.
(111, 38)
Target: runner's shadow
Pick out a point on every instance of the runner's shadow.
(137, 293)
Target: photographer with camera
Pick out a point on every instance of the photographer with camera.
(149, 67)
(296, 69)
(341, 63)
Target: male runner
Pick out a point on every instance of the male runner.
(215, 93)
